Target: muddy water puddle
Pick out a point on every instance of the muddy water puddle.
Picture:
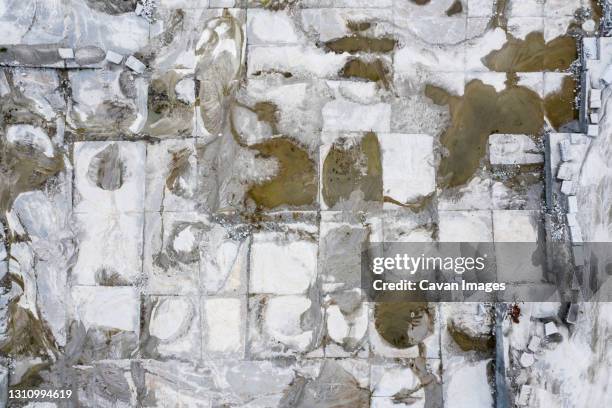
(24, 169)
(296, 181)
(533, 54)
(455, 8)
(360, 43)
(375, 71)
(480, 112)
(403, 324)
(357, 167)
(559, 106)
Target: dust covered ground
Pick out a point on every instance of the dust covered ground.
(186, 187)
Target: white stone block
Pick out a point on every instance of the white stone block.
(550, 328)
(526, 360)
(593, 131)
(346, 115)
(578, 138)
(466, 226)
(279, 267)
(606, 77)
(572, 204)
(590, 47)
(566, 150)
(594, 118)
(534, 344)
(96, 159)
(522, 399)
(565, 172)
(270, 27)
(595, 99)
(108, 307)
(576, 235)
(66, 53)
(112, 56)
(135, 65)
(223, 321)
(567, 187)
(571, 219)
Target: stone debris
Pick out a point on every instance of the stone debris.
(550, 329)
(534, 344)
(566, 172)
(114, 57)
(567, 187)
(572, 313)
(66, 53)
(593, 131)
(135, 65)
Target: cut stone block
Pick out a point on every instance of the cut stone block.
(109, 176)
(66, 53)
(590, 47)
(408, 166)
(526, 360)
(572, 204)
(571, 220)
(135, 65)
(567, 187)
(595, 99)
(534, 344)
(576, 235)
(112, 56)
(224, 324)
(522, 400)
(606, 77)
(565, 172)
(550, 328)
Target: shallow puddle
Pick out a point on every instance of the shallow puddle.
(24, 169)
(296, 181)
(455, 8)
(480, 112)
(559, 106)
(359, 43)
(596, 10)
(375, 71)
(356, 26)
(403, 319)
(357, 167)
(403, 324)
(533, 54)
